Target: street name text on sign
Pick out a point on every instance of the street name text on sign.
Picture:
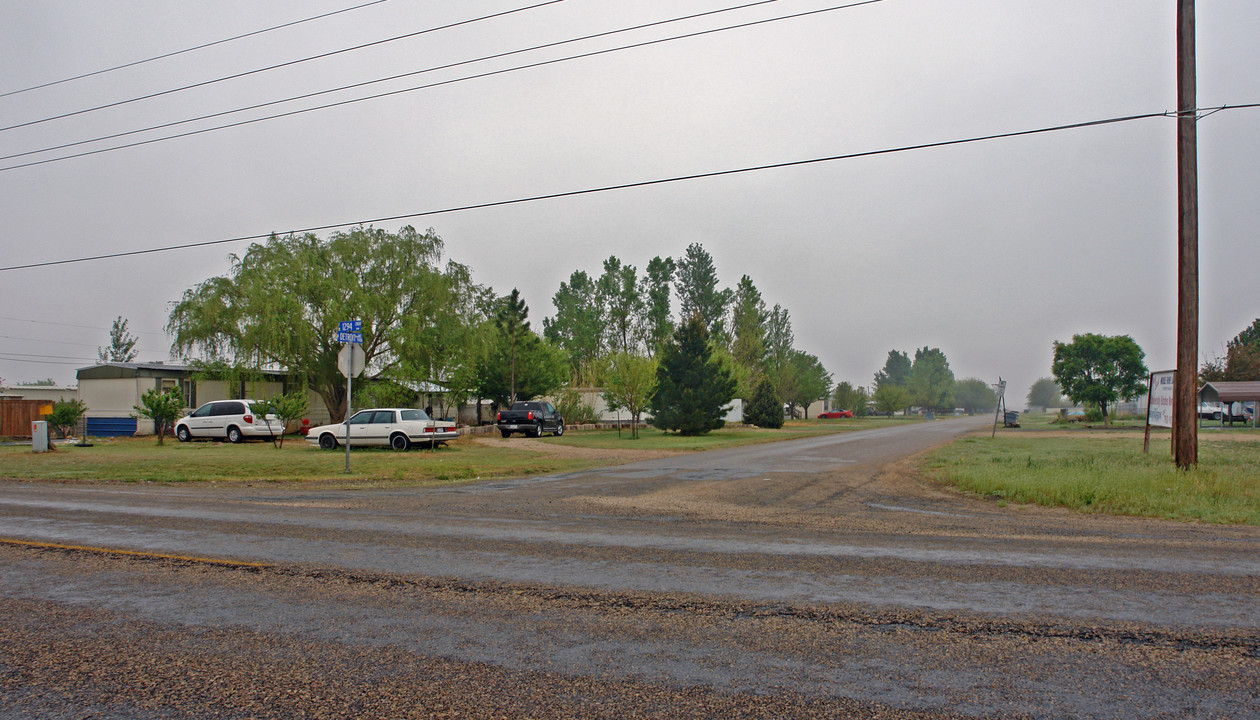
(350, 331)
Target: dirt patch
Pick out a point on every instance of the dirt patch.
(570, 451)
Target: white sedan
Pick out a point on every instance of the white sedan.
(398, 428)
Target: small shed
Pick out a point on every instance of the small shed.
(1225, 393)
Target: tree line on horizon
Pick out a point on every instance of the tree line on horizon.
(424, 318)
(926, 382)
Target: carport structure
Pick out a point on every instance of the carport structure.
(1223, 393)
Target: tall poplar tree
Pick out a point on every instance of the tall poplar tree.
(623, 307)
(579, 323)
(698, 292)
(122, 344)
(654, 287)
(748, 336)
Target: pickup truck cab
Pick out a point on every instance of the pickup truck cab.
(532, 418)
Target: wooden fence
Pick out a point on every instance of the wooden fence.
(16, 416)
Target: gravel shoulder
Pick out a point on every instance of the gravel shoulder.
(818, 578)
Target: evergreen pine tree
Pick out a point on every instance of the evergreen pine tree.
(692, 389)
(764, 408)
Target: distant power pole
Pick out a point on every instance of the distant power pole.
(1185, 405)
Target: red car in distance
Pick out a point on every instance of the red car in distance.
(836, 414)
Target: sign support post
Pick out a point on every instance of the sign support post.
(997, 412)
(350, 361)
(349, 406)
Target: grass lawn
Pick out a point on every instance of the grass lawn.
(1106, 472)
(141, 459)
(653, 439)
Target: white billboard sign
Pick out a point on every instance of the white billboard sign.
(1160, 411)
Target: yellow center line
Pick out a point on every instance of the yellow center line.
(132, 553)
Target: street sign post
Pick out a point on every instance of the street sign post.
(350, 361)
(1000, 388)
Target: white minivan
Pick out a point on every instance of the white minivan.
(233, 420)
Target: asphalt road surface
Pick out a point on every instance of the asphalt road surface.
(811, 578)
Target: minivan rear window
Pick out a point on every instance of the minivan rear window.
(229, 408)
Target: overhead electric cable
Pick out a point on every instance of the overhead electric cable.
(451, 81)
(622, 186)
(255, 71)
(56, 357)
(448, 66)
(44, 362)
(54, 342)
(188, 50)
(83, 327)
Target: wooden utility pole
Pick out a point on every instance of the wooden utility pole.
(1185, 406)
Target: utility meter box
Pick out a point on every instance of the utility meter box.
(39, 436)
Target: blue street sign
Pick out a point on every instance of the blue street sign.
(350, 326)
(350, 337)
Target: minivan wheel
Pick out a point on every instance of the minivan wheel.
(182, 433)
(399, 442)
(234, 435)
(327, 442)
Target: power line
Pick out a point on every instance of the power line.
(451, 81)
(280, 65)
(39, 355)
(81, 327)
(44, 362)
(624, 186)
(54, 342)
(352, 86)
(188, 50)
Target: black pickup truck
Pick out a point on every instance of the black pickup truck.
(532, 418)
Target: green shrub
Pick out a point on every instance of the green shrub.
(65, 415)
(575, 412)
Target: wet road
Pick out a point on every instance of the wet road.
(800, 579)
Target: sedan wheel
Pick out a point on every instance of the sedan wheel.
(327, 442)
(234, 435)
(399, 442)
(182, 433)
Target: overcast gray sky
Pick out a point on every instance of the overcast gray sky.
(990, 251)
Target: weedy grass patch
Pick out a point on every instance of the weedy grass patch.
(1107, 473)
(142, 460)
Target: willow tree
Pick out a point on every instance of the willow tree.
(279, 305)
